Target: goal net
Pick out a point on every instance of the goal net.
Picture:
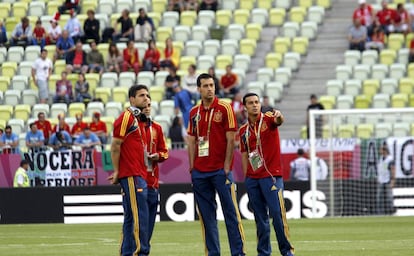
(358, 174)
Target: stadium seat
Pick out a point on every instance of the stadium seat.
(4, 10)
(328, 101)
(109, 80)
(383, 130)
(109, 121)
(365, 131)
(19, 9)
(59, 108)
(206, 17)
(290, 29)
(343, 72)
(19, 82)
(94, 107)
(170, 19)
(297, 14)
(362, 101)
(160, 77)
(4, 83)
(37, 8)
(223, 17)
(40, 107)
(281, 44)
(241, 16)
(157, 93)
(248, 46)
(403, 54)
(32, 52)
(22, 111)
(228, 46)
(379, 71)
(344, 102)
(163, 33)
(411, 101)
(275, 89)
(120, 94)
(123, 5)
(381, 100)
(167, 107)
(3, 54)
(264, 4)
(406, 85)
(285, 4)
(193, 48)
(200, 32)
(15, 54)
(103, 93)
(6, 112)
(309, 29)
(291, 60)
(362, 71)
(182, 33)
(273, 60)
(352, 57)
(30, 97)
(352, 87)
(401, 129)
(389, 86)
(12, 97)
(164, 121)
(11, 23)
(369, 57)
(265, 74)
(235, 31)
(346, 131)
(300, 45)
(305, 3)
(246, 4)
(387, 56)
(186, 61)
(316, 14)
(253, 31)
(259, 16)
(283, 75)
(146, 78)
(126, 79)
(88, 5)
(223, 60)
(76, 107)
(324, 3)
(399, 100)
(158, 6)
(204, 62)
(395, 41)
(17, 125)
(397, 70)
(370, 87)
(277, 16)
(257, 87)
(113, 108)
(334, 87)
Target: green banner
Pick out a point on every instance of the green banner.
(107, 161)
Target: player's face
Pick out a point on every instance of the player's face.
(141, 99)
(147, 110)
(207, 89)
(253, 105)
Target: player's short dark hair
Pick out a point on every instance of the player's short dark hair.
(136, 87)
(301, 152)
(313, 96)
(23, 162)
(7, 127)
(31, 125)
(249, 94)
(202, 76)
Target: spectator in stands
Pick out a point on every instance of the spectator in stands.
(99, 127)
(64, 46)
(127, 29)
(229, 82)
(171, 57)
(411, 53)
(91, 28)
(357, 36)
(212, 72)
(53, 33)
(64, 91)
(41, 71)
(177, 133)
(79, 126)
(131, 58)
(61, 125)
(377, 39)
(82, 90)
(3, 34)
(300, 167)
(401, 21)
(238, 108)
(314, 104)
(144, 28)
(9, 141)
(191, 5)
(39, 35)
(266, 105)
(35, 140)
(88, 139)
(190, 81)
(74, 27)
(22, 33)
(60, 141)
(385, 17)
(69, 5)
(386, 181)
(95, 60)
(364, 13)
(76, 61)
(175, 6)
(170, 81)
(44, 126)
(152, 57)
(209, 5)
(182, 102)
(114, 59)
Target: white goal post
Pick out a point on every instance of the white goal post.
(352, 186)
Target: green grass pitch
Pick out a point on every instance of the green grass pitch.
(366, 236)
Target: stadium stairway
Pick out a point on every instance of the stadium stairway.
(316, 67)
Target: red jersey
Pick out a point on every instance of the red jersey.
(221, 118)
(385, 16)
(45, 127)
(98, 126)
(153, 55)
(364, 15)
(78, 128)
(269, 147)
(155, 144)
(131, 161)
(39, 32)
(59, 128)
(131, 58)
(228, 80)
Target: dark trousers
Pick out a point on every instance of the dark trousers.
(152, 200)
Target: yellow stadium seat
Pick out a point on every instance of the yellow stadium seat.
(395, 41)
(241, 16)
(60, 66)
(103, 49)
(281, 44)
(304, 132)
(223, 60)
(274, 59)
(11, 23)
(19, 9)
(157, 93)
(159, 6)
(103, 93)
(305, 3)
(5, 10)
(246, 4)
(365, 131)
(88, 5)
(408, 38)
(52, 7)
(248, 46)
(109, 121)
(163, 33)
(362, 101)
(51, 50)
(277, 16)
(297, 14)
(406, 85)
(52, 82)
(186, 61)
(156, 18)
(324, 3)
(411, 100)
(399, 100)
(388, 56)
(370, 87)
(253, 31)
(188, 18)
(410, 70)
(76, 107)
(120, 94)
(73, 78)
(2, 124)
(93, 80)
(6, 112)
(223, 17)
(264, 4)
(346, 131)
(328, 101)
(22, 112)
(4, 83)
(300, 45)
(9, 69)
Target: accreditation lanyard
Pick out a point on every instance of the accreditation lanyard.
(140, 132)
(198, 118)
(256, 132)
(150, 149)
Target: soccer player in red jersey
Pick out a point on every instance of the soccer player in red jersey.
(157, 153)
(129, 159)
(78, 127)
(211, 132)
(44, 125)
(261, 162)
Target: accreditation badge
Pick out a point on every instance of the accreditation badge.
(203, 147)
(146, 159)
(255, 160)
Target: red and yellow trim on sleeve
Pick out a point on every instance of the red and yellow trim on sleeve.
(230, 114)
(124, 125)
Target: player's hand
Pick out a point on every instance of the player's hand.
(154, 157)
(278, 116)
(113, 178)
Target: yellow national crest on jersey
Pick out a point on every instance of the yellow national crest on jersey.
(264, 127)
(218, 117)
